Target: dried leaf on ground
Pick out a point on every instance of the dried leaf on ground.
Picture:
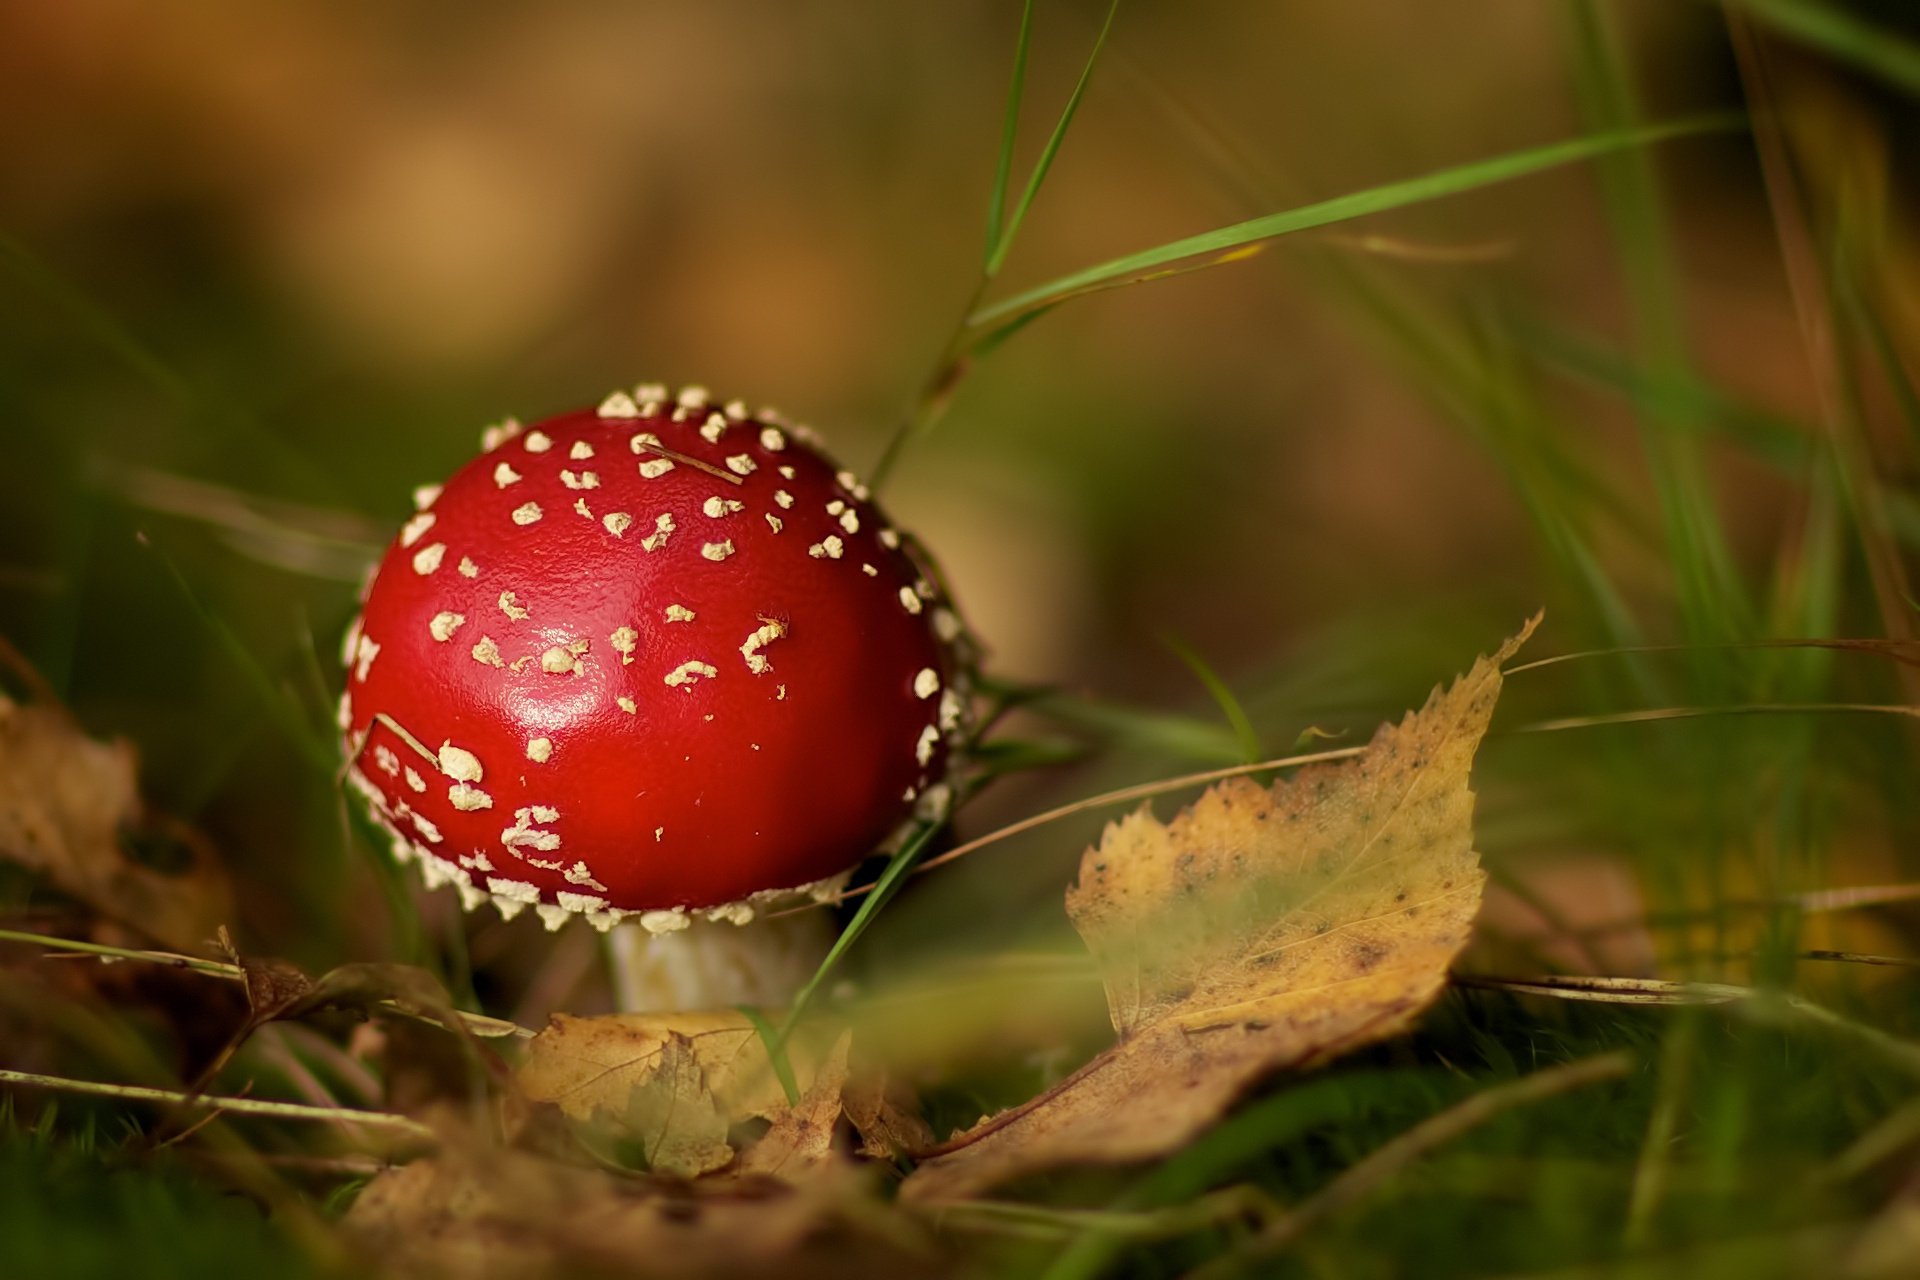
(486, 1213)
(589, 1066)
(886, 1116)
(1260, 930)
(801, 1139)
(67, 804)
(674, 1116)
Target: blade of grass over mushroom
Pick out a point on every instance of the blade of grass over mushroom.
(998, 258)
(1230, 707)
(1830, 28)
(1393, 195)
(994, 338)
(878, 894)
(1009, 130)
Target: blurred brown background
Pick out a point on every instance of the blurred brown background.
(303, 251)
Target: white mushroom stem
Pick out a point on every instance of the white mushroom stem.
(716, 964)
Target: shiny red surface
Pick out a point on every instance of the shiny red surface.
(710, 791)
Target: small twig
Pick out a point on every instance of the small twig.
(478, 1023)
(687, 459)
(1652, 715)
(1861, 957)
(234, 1106)
(1604, 990)
(1240, 1203)
(1374, 1171)
(1775, 1007)
(1103, 800)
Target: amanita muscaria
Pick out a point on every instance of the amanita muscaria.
(658, 661)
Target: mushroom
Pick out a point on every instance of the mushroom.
(657, 666)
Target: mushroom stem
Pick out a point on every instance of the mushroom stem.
(715, 964)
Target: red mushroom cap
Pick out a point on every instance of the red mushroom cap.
(646, 659)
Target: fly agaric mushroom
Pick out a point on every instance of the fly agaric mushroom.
(658, 663)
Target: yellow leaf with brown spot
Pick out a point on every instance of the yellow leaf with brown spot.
(1260, 930)
(801, 1139)
(589, 1066)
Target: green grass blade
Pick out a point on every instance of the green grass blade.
(1708, 586)
(1141, 729)
(997, 210)
(1230, 707)
(776, 1046)
(314, 747)
(1359, 204)
(998, 257)
(1828, 28)
(892, 877)
(93, 320)
(1681, 398)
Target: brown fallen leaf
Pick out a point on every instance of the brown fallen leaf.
(67, 804)
(885, 1116)
(1260, 930)
(589, 1066)
(801, 1139)
(481, 1212)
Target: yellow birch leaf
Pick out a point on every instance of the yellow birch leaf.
(1261, 930)
(674, 1116)
(589, 1066)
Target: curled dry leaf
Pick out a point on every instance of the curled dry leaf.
(67, 803)
(801, 1139)
(1260, 930)
(886, 1116)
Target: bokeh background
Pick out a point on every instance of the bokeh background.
(267, 267)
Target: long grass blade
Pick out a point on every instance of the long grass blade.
(1223, 696)
(998, 257)
(1832, 30)
(1358, 204)
(878, 894)
(1009, 128)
